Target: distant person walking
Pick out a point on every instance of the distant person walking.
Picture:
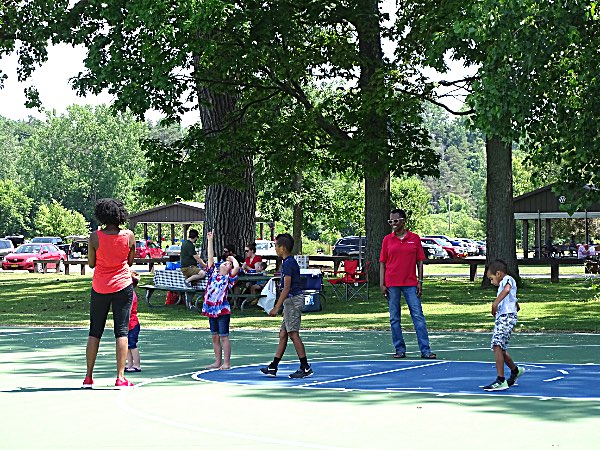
(401, 255)
(111, 251)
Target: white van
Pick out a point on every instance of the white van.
(264, 247)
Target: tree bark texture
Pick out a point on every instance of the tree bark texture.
(298, 214)
(501, 238)
(374, 131)
(230, 212)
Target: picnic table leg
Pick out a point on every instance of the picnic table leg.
(67, 269)
(45, 268)
(151, 267)
(82, 269)
(473, 272)
(149, 293)
(554, 273)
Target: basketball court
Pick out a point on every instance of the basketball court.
(359, 397)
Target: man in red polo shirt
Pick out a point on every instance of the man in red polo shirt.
(401, 256)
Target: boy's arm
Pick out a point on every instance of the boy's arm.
(287, 284)
(501, 296)
(211, 247)
(236, 266)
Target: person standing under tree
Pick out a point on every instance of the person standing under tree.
(402, 254)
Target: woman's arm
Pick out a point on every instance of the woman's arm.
(131, 255)
(92, 247)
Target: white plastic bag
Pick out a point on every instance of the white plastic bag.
(270, 291)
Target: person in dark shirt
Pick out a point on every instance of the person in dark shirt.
(292, 299)
(190, 259)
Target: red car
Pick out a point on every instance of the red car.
(148, 249)
(22, 258)
(444, 244)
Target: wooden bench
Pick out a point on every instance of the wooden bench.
(174, 281)
(43, 265)
(554, 264)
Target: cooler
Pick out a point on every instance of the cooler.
(312, 301)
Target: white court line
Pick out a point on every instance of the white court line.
(63, 330)
(554, 379)
(126, 406)
(316, 383)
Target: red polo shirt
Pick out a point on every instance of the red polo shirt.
(400, 257)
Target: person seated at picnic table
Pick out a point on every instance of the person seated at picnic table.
(251, 258)
(582, 251)
(592, 249)
(572, 245)
(256, 287)
(190, 259)
(550, 247)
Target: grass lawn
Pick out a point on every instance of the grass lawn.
(449, 304)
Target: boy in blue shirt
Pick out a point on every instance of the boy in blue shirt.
(504, 309)
(292, 299)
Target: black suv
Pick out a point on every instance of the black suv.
(348, 246)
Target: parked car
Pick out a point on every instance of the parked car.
(460, 247)
(78, 249)
(148, 249)
(349, 246)
(265, 247)
(173, 250)
(432, 249)
(6, 247)
(51, 240)
(482, 247)
(471, 246)
(446, 245)
(22, 258)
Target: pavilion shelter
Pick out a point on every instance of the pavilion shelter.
(541, 206)
(181, 213)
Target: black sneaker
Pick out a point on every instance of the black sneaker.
(302, 373)
(513, 376)
(269, 371)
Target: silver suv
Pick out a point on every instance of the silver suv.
(6, 247)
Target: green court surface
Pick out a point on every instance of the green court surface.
(42, 406)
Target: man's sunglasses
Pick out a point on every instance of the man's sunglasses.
(395, 221)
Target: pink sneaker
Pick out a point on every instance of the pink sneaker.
(123, 382)
(88, 383)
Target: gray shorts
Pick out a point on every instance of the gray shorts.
(503, 327)
(292, 313)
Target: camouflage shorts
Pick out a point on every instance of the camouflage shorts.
(503, 327)
(292, 313)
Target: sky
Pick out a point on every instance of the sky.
(65, 62)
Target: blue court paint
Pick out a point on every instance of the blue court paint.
(541, 380)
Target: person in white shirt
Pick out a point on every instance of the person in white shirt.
(504, 309)
(582, 251)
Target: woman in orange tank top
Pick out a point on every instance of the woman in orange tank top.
(110, 253)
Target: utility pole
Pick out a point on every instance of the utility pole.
(449, 186)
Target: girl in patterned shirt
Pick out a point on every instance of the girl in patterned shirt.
(216, 306)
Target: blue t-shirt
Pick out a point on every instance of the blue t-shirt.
(290, 268)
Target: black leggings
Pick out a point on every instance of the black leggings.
(121, 306)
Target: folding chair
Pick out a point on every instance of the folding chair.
(353, 284)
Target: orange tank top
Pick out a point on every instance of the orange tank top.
(111, 273)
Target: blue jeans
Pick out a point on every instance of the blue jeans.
(416, 313)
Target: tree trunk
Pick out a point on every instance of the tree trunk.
(230, 212)
(298, 214)
(501, 239)
(377, 211)
(374, 131)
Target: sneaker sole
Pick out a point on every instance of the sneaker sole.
(87, 386)
(496, 389)
(305, 376)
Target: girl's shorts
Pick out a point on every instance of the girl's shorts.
(132, 337)
(219, 325)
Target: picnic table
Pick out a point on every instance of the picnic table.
(247, 297)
